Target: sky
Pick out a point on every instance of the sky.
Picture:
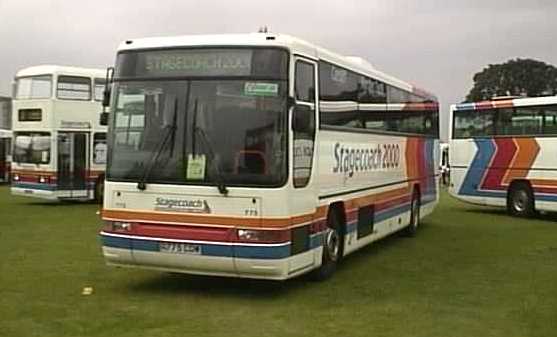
(436, 45)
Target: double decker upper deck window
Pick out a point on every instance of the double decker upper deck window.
(74, 88)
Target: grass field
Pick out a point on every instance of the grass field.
(469, 272)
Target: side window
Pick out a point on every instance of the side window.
(376, 121)
(475, 123)
(74, 88)
(347, 118)
(550, 120)
(337, 84)
(527, 121)
(99, 148)
(303, 123)
(397, 96)
(305, 82)
(99, 88)
(372, 91)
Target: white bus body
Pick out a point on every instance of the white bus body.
(502, 153)
(59, 146)
(275, 184)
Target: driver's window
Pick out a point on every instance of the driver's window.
(303, 122)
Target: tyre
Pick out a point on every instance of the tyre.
(414, 222)
(99, 190)
(520, 200)
(333, 244)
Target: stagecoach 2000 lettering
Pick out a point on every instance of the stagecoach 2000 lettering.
(377, 157)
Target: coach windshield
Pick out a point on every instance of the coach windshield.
(200, 117)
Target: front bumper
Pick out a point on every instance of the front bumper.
(33, 191)
(263, 261)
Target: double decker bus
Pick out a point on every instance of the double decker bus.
(260, 156)
(59, 146)
(502, 153)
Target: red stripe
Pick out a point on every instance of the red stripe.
(392, 203)
(182, 232)
(504, 154)
(199, 233)
(547, 190)
(318, 226)
(484, 105)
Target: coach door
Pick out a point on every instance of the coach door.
(72, 164)
(304, 120)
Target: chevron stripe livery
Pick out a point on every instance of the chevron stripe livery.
(500, 161)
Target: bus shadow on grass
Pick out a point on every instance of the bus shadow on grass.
(502, 213)
(183, 284)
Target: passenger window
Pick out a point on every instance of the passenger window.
(527, 121)
(550, 120)
(99, 89)
(303, 120)
(303, 123)
(476, 123)
(337, 84)
(74, 88)
(305, 82)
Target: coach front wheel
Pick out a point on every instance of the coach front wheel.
(520, 201)
(332, 247)
(412, 227)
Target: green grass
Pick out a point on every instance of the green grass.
(469, 272)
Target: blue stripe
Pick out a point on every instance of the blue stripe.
(391, 212)
(32, 186)
(253, 252)
(485, 149)
(545, 197)
(110, 241)
(249, 252)
(316, 240)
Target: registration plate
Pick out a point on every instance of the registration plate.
(179, 248)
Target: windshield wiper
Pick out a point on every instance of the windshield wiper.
(216, 164)
(197, 130)
(170, 134)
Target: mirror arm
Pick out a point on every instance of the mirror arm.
(290, 102)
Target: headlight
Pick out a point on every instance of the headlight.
(118, 226)
(268, 236)
(16, 177)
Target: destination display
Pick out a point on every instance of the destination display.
(203, 63)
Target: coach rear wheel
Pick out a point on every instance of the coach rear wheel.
(521, 200)
(415, 204)
(332, 247)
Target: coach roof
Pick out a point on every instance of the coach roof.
(295, 45)
(62, 70)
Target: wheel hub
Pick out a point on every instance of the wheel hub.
(332, 244)
(520, 200)
(415, 213)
